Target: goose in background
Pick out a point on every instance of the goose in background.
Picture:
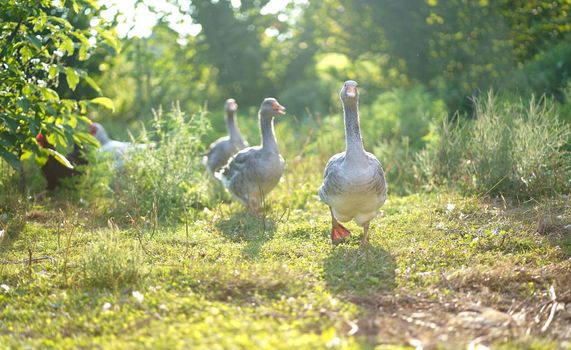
(254, 171)
(225, 147)
(117, 149)
(354, 185)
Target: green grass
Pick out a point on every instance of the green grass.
(227, 279)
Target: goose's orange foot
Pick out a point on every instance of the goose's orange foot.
(339, 233)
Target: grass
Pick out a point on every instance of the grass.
(174, 264)
(228, 280)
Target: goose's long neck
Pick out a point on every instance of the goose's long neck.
(102, 137)
(353, 130)
(232, 126)
(267, 130)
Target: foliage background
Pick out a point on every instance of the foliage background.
(418, 64)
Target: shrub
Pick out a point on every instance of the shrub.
(511, 148)
(401, 113)
(395, 127)
(165, 180)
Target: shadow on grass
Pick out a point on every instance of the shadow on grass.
(245, 227)
(357, 271)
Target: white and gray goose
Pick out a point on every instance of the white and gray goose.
(354, 183)
(254, 171)
(118, 150)
(225, 147)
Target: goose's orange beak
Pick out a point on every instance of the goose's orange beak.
(232, 106)
(351, 91)
(279, 108)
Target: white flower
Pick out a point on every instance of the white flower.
(106, 306)
(137, 295)
(5, 287)
(450, 206)
(333, 343)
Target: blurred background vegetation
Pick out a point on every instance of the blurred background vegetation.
(471, 94)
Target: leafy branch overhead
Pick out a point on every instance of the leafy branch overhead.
(44, 46)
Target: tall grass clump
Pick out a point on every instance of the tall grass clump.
(163, 181)
(510, 148)
(111, 262)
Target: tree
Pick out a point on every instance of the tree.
(38, 40)
(231, 42)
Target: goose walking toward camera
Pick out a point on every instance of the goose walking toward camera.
(54, 170)
(354, 183)
(225, 147)
(118, 149)
(254, 171)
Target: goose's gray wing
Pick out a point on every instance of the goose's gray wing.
(236, 171)
(331, 180)
(217, 155)
(378, 183)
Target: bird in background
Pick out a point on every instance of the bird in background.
(253, 172)
(225, 147)
(118, 149)
(54, 170)
(354, 185)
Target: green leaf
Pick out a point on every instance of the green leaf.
(54, 71)
(26, 53)
(41, 158)
(75, 6)
(84, 45)
(50, 94)
(10, 158)
(60, 158)
(83, 53)
(93, 84)
(67, 45)
(87, 139)
(110, 39)
(61, 21)
(24, 103)
(71, 77)
(26, 155)
(40, 22)
(105, 102)
(34, 41)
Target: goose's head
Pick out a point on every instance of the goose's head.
(349, 92)
(230, 105)
(272, 107)
(97, 131)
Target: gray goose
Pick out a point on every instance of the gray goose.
(354, 185)
(254, 171)
(225, 147)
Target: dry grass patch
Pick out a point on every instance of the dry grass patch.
(504, 306)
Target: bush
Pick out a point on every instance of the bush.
(395, 127)
(511, 148)
(165, 180)
(401, 113)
